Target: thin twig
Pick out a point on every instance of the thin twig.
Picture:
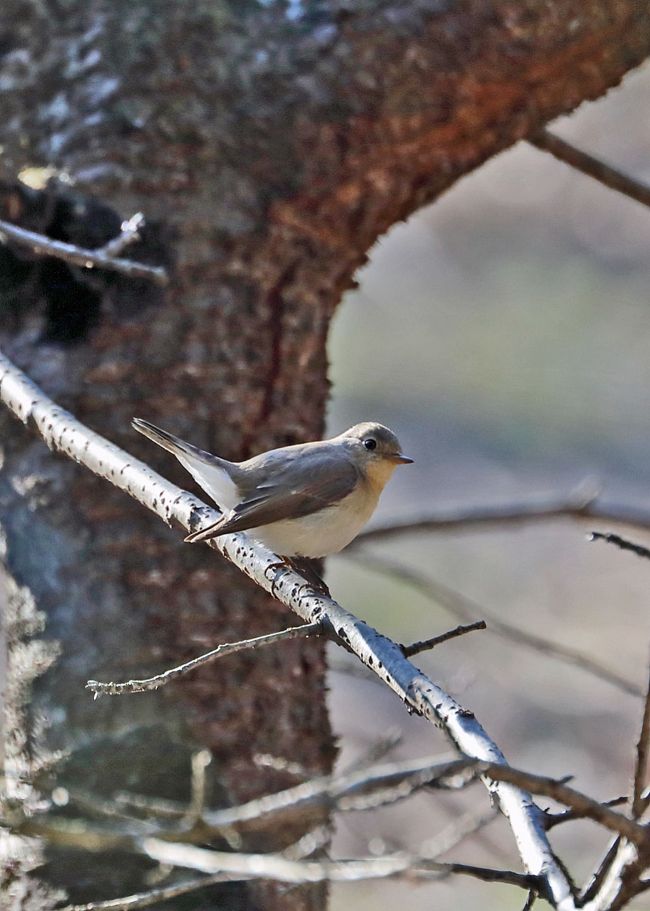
(570, 797)
(581, 505)
(464, 608)
(639, 798)
(416, 647)
(200, 761)
(554, 819)
(129, 234)
(620, 542)
(345, 792)
(530, 901)
(305, 846)
(101, 258)
(275, 866)
(606, 174)
(226, 648)
(595, 884)
(363, 788)
(146, 899)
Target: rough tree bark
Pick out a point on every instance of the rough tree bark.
(269, 145)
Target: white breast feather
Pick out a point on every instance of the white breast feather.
(326, 532)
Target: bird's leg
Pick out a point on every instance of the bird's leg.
(305, 567)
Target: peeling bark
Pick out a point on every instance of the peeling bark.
(268, 151)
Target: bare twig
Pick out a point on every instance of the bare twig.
(606, 174)
(129, 234)
(620, 542)
(596, 882)
(581, 505)
(305, 846)
(152, 897)
(530, 901)
(554, 819)
(416, 647)
(275, 866)
(101, 258)
(359, 789)
(63, 432)
(227, 648)
(570, 797)
(464, 608)
(639, 798)
(200, 761)
(349, 791)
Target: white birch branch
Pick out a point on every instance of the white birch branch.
(62, 431)
(275, 866)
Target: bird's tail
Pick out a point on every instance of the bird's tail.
(167, 440)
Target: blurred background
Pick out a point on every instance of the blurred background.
(504, 334)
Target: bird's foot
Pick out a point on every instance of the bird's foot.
(307, 568)
(304, 567)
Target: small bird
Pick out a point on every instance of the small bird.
(302, 501)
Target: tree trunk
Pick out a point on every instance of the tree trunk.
(268, 145)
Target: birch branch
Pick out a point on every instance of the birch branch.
(360, 789)
(275, 866)
(63, 432)
(105, 257)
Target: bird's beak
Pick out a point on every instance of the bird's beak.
(400, 458)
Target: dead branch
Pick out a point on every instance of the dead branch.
(555, 819)
(425, 644)
(105, 257)
(275, 866)
(639, 798)
(580, 505)
(570, 797)
(593, 167)
(152, 897)
(621, 543)
(227, 648)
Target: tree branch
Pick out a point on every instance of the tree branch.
(579, 505)
(640, 799)
(275, 866)
(593, 167)
(621, 543)
(425, 644)
(587, 806)
(227, 648)
(105, 257)
(63, 432)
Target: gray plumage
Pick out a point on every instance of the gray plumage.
(281, 495)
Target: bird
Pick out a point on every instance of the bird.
(304, 501)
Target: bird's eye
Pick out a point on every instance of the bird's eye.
(370, 444)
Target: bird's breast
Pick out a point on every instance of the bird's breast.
(324, 532)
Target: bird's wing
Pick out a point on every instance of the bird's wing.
(292, 488)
